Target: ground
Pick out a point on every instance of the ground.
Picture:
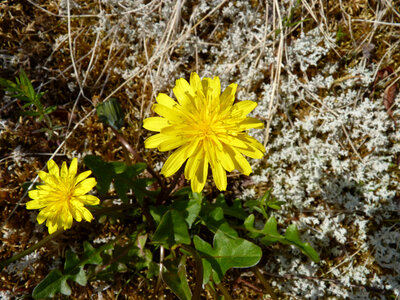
(324, 75)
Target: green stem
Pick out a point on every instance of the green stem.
(128, 147)
(224, 291)
(5, 263)
(212, 291)
(99, 211)
(266, 285)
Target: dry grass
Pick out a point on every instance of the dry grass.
(79, 54)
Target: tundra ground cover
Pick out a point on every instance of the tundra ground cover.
(324, 76)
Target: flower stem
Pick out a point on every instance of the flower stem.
(5, 263)
(224, 291)
(128, 147)
(167, 191)
(199, 271)
(266, 285)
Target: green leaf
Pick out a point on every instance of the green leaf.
(172, 230)
(215, 221)
(292, 235)
(235, 210)
(91, 254)
(174, 275)
(270, 235)
(139, 187)
(50, 109)
(271, 232)
(56, 281)
(110, 113)
(30, 113)
(227, 252)
(124, 177)
(189, 208)
(101, 170)
(157, 212)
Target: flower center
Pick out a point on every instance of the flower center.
(205, 128)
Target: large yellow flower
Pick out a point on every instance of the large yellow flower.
(206, 127)
(62, 196)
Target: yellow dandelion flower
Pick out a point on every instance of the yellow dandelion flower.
(62, 196)
(206, 128)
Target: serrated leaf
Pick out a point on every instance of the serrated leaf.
(271, 232)
(227, 252)
(55, 282)
(172, 230)
(270, 235)
(91, 254)
(292, 235)
(174, 275)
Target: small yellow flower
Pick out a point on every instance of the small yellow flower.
(62, 196)
(205, 127)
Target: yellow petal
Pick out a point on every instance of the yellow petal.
(172, 143)
(53, 168)
(87, 214)
(33, 204)
(82, 176)
(225, 160)
(171, 114)
(242, 108)
(155, 123)
(165, 100)
(241, 164)
(249, 123)
(228, 96)
(85, 186)
(52, 226)
(252, 148)
(174, 162)
(41, 217)
(64, 170)
(195, 82)
(88, 199)
(155, 140)
(232, 141)
(193, 163)
(215, 86)
(183, 93)
(253, 142)
(200, 177)
(192, 147)
(73, 168)
(219, 175)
